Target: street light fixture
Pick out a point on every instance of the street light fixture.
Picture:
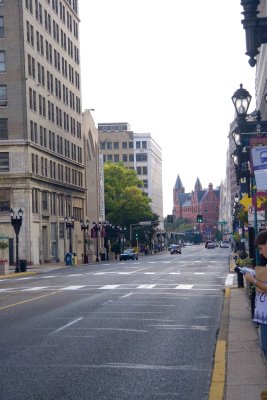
(69, 221)
(84, 228)
(16, 221)
(241, 100)
(96, 229)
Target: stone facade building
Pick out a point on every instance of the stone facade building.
(42, 166)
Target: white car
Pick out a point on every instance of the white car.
(224, 245)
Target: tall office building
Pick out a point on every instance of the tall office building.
(138, 151)
(41, 145)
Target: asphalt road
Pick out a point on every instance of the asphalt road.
(141, 329)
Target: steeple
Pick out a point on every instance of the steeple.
(178, 185)
(198, 185)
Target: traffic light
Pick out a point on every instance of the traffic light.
(199, 218)
(136, 236)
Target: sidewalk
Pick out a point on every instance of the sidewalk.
(246, 367)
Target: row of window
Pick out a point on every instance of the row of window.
(54, 85)
(125, 157)
(124, 145)
(116, 145)
(54, 142)
(58, 7)
(50, 169)
(54, 114)
(55, 204)
(44, 48)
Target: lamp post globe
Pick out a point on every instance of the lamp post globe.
(241, 100)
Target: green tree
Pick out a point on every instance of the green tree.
(125, 202)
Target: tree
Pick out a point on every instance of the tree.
(125, 202)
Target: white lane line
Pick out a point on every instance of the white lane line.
(123, 273)
(67, 325)
(50, 276)
(75, 275)
(5, 290)
(229, 281)
(35, 288)
(149, 273)
(109, 287)
(175, 273)
(126, 295)
(74, 287)
(25, 279)
(184, 287)
(199, 273)
(145, 286)
(100, 273)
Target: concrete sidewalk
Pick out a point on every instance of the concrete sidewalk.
(246, 367)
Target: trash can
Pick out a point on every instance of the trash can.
(23, 265)
(68, 259)
(74, 259)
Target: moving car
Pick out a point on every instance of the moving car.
(129, 254)
(175, 248)
(224, 245)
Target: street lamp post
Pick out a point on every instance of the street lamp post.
(96, 229)
(16, 221)
(69, 226)
(84, 228)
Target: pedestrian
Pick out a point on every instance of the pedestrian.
(260, 312)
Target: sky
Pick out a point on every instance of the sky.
(169, 68)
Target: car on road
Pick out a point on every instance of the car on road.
(175, 249)
(128, 254)
(224, 245)
(210, 245)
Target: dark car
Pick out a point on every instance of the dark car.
(129, 254)
(175, 248)
(211, 245)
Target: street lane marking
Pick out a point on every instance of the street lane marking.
(109, 287)
(126, 295)
(199, 273)
(47, 277)
(149, 273)
(184, 287)
(175, 273)
(145, 286)
(35, 288)
(67, 325)
(29, 300)
(73, 287)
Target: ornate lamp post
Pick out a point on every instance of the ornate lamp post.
(95, 234)
(16, 221)
(69, 221)
(84, 228)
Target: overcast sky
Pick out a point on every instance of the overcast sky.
(168, 68)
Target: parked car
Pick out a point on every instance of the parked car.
(211, 245)
(175, 248)
(224, 245)
(129, 254)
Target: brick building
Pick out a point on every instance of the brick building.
(205, 202)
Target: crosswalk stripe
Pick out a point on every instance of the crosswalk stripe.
(184, 287)
(74, 287)
(34, 288)
(109, 287)
(145, 286)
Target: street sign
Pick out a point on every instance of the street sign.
(145, 223)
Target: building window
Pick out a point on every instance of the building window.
(141, 157)
(3, 95)
(2, 30)
(124, 145)
(61, 228)
(45, 201)
(116, 158)
(139, 170)
(102, 145)
(109, 157)
(2, 61)
(144, 170)
(131, 145)
(4, 162)
(109, 145)
(3, 128)
(144, 145)
(35, 201)
(125, 157)
(145, 183)
(131, 157)
(138, 145)
(4, 200)
(116, 145)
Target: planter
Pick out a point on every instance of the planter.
(4, 268)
